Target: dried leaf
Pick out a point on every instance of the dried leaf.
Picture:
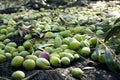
(46, 45)
(21, 33)
(88, 68)
(30, 76)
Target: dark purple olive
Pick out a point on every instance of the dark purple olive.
(45, 55)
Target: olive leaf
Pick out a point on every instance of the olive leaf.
(109, 60)
(23, 29)
(30, 76)
(113, 31)
(68, 20)
(117, 49)
(20, 32)
(46, 45)
(41, 47)
(110, 57)
(117, 20)
(109, 54)
(97, 49)
(117, 62)
(91, 33)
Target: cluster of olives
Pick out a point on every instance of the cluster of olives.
(66, 45)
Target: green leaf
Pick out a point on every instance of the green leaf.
(97, 49)
(118, 64)
(117, 20)
(112, 32)
(117, 50)
(109, 60)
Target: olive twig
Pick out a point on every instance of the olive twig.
(30, 76)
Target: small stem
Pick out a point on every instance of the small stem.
(30, 76)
